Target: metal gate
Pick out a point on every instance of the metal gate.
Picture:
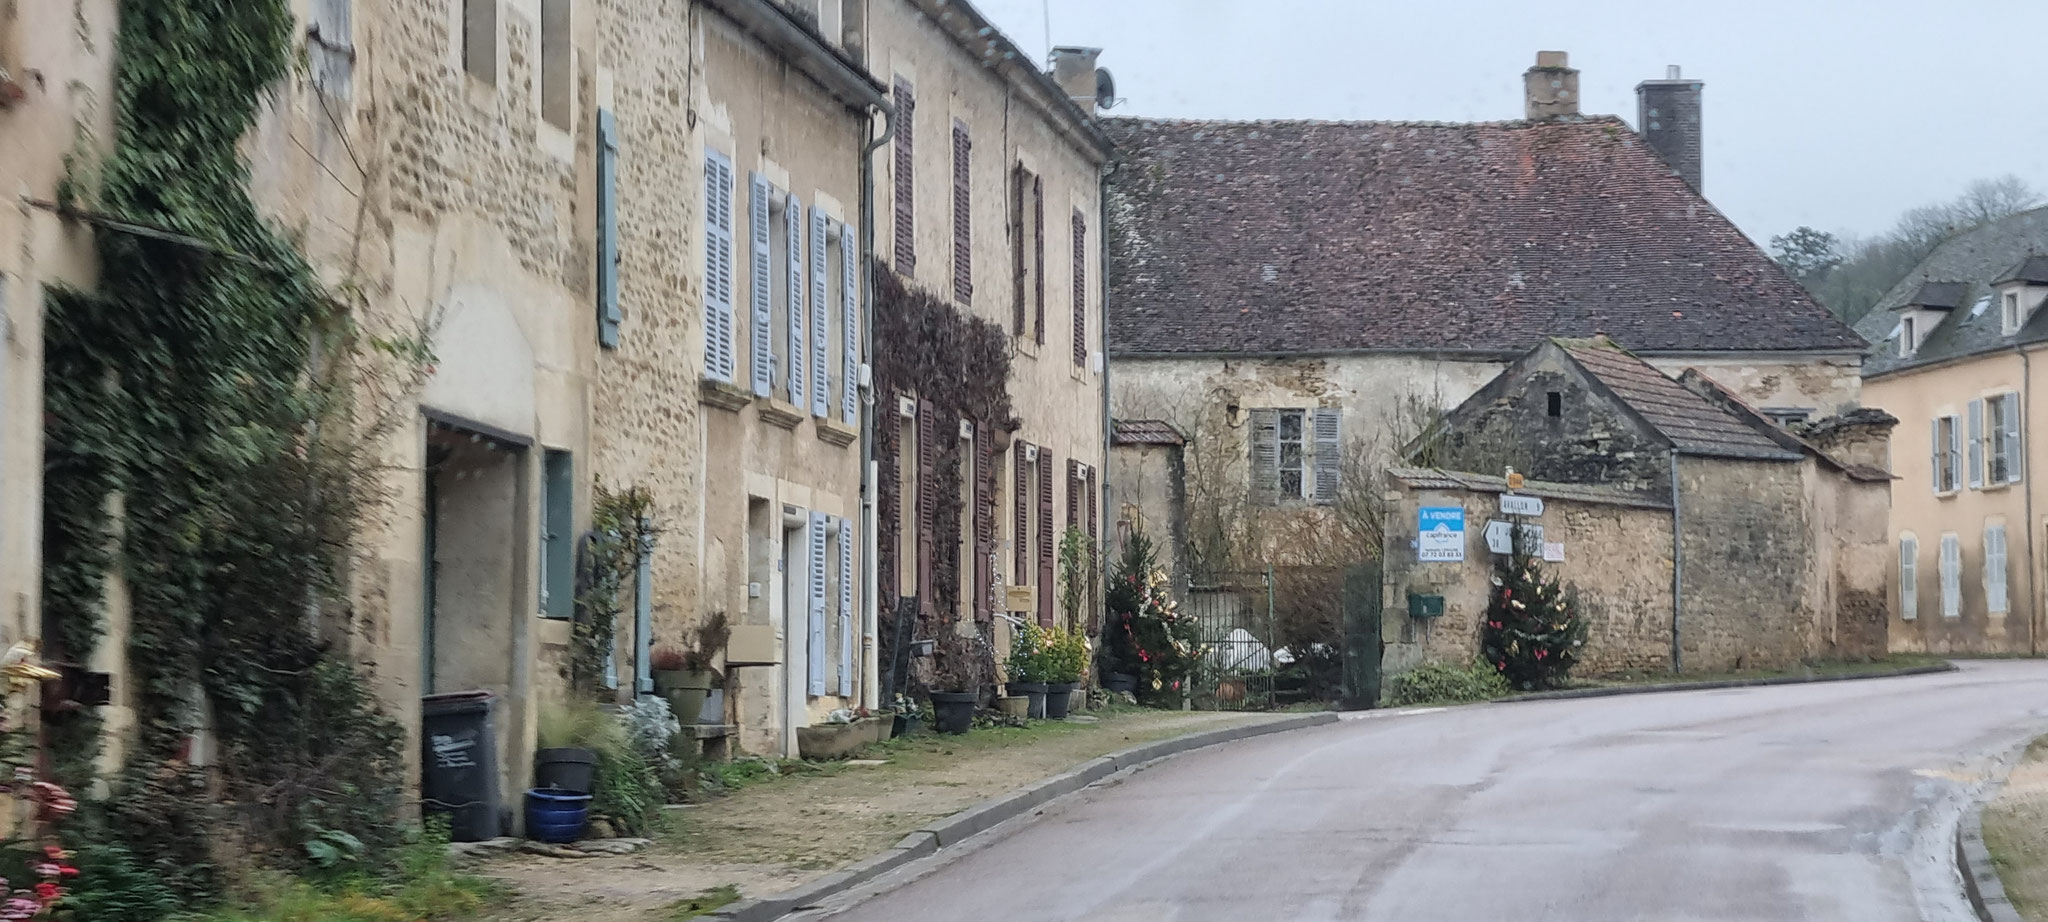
(1235, 632)
(1362, 619)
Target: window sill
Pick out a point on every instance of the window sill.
(1024, 346)
(1947, 494)
(781, 413)
(836, 432)
(724, 395)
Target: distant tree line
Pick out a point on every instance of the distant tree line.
(1850, 274)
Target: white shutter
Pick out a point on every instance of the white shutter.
(1934, 455)
(815, 649)
(821, 376)
(1976, 446)
(1951, 576)
(798, 371)
(1909, 578)
(1955, 453)
(849, 321)
(1265, 456)
(2009, 423)
(1994, 568)
(763, 353)
(718, 307)
(1329, 460)
(847, 637)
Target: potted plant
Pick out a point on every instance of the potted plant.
(911, 715)
(960, 667)
(1026, 667)
(685, 675)
(1064, 655)
(843, 732)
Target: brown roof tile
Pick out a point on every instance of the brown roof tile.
(1693, 424)
(1147, 432)
(1294, 236)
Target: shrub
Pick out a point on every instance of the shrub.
(1439, 683)
(1027, 662)
(625, 787)
(1064, 656)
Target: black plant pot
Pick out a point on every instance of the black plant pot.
(1120, 682)
(953, 712)
(907, 724)
(1058, 697)
(1034, 691)
(565, 770)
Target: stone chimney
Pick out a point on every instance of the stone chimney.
(1073, 68)
(1551, 88)
(1860, 436)
(1668, 115)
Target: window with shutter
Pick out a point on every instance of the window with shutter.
(963, 216)
(1038, 259)
(1951, 572)
(332, 46)
(799, 369)
(984, 527)
(2002, 439)
(1975, 445)
(927, 503)
(1080, 289)
(1994, 568)
(1292, 450)
(904, 202)
(1046, 541)
(608, 314)
(1909, 577)
(1329, 454)
(718, 268)
(762, 354)
(1020, 248)
(1265, 448)
(821, 375)
(814, 651)
(1094, 624)
(643, 621)
(849, 321)
(848, 535)
(1073, 493)
(1020, 531)
(557, 535)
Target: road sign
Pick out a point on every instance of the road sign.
(1517, 504)
(1553, 551)
(1497, 537)
(1440, 533)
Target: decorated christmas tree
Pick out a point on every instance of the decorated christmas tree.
(1147, 635)
(1533, 633)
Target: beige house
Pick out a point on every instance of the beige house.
(988, 213)
(1295, 295)
(1955, 343)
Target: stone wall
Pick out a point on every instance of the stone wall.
(1617, 556)
(1748, 555)
(1148, 493)
(1592, 439)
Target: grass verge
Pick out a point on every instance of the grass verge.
(420, 888)
(2016, 833)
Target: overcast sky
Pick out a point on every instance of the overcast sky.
(1834, 113)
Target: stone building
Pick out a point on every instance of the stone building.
(990, 223)
(1702, 536)
(1955, 340)
(1295, 294)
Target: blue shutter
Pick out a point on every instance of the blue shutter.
(794, 226)
(607, 230)
(1975, 448)
(718, 268)
(846, 620)
(849, 320)
(557, 535)
(815, 649)
(821, 377)
(763, 353)
(643, 618)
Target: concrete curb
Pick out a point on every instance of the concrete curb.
(983, 816)
(1725, 683)
(1980, 878)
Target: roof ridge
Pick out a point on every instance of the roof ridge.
(1360, 123)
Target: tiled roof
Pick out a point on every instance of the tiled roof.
(1294, 236)
(1147, 432)
(1976, 258)
(2032, 269)
(1938, 295)
(1694, 425)
(1429, 478)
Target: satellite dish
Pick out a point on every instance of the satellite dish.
(1105, 88)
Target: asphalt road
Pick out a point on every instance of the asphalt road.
(1807, 802)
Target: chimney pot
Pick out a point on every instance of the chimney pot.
(1551, 88)
(1671, 72)
(1073, 68)
(1668, 117)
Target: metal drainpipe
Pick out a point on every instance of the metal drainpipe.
(871, 599)
(1677, 567)
(2033, 593)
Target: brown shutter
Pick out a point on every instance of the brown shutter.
(1073, 493)
(1080, 289)
(984, 524)
(1094, 568)
(888, 493)
(1038, 254)
(963, 213)
(905, 204)
(1019, 180)
(927, 502)
(1045, 539)
(1020, 499)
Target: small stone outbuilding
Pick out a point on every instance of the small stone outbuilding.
(1701, 536)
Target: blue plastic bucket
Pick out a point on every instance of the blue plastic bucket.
(556, 816)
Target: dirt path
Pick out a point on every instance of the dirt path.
(2016, 833)
(780, 833)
